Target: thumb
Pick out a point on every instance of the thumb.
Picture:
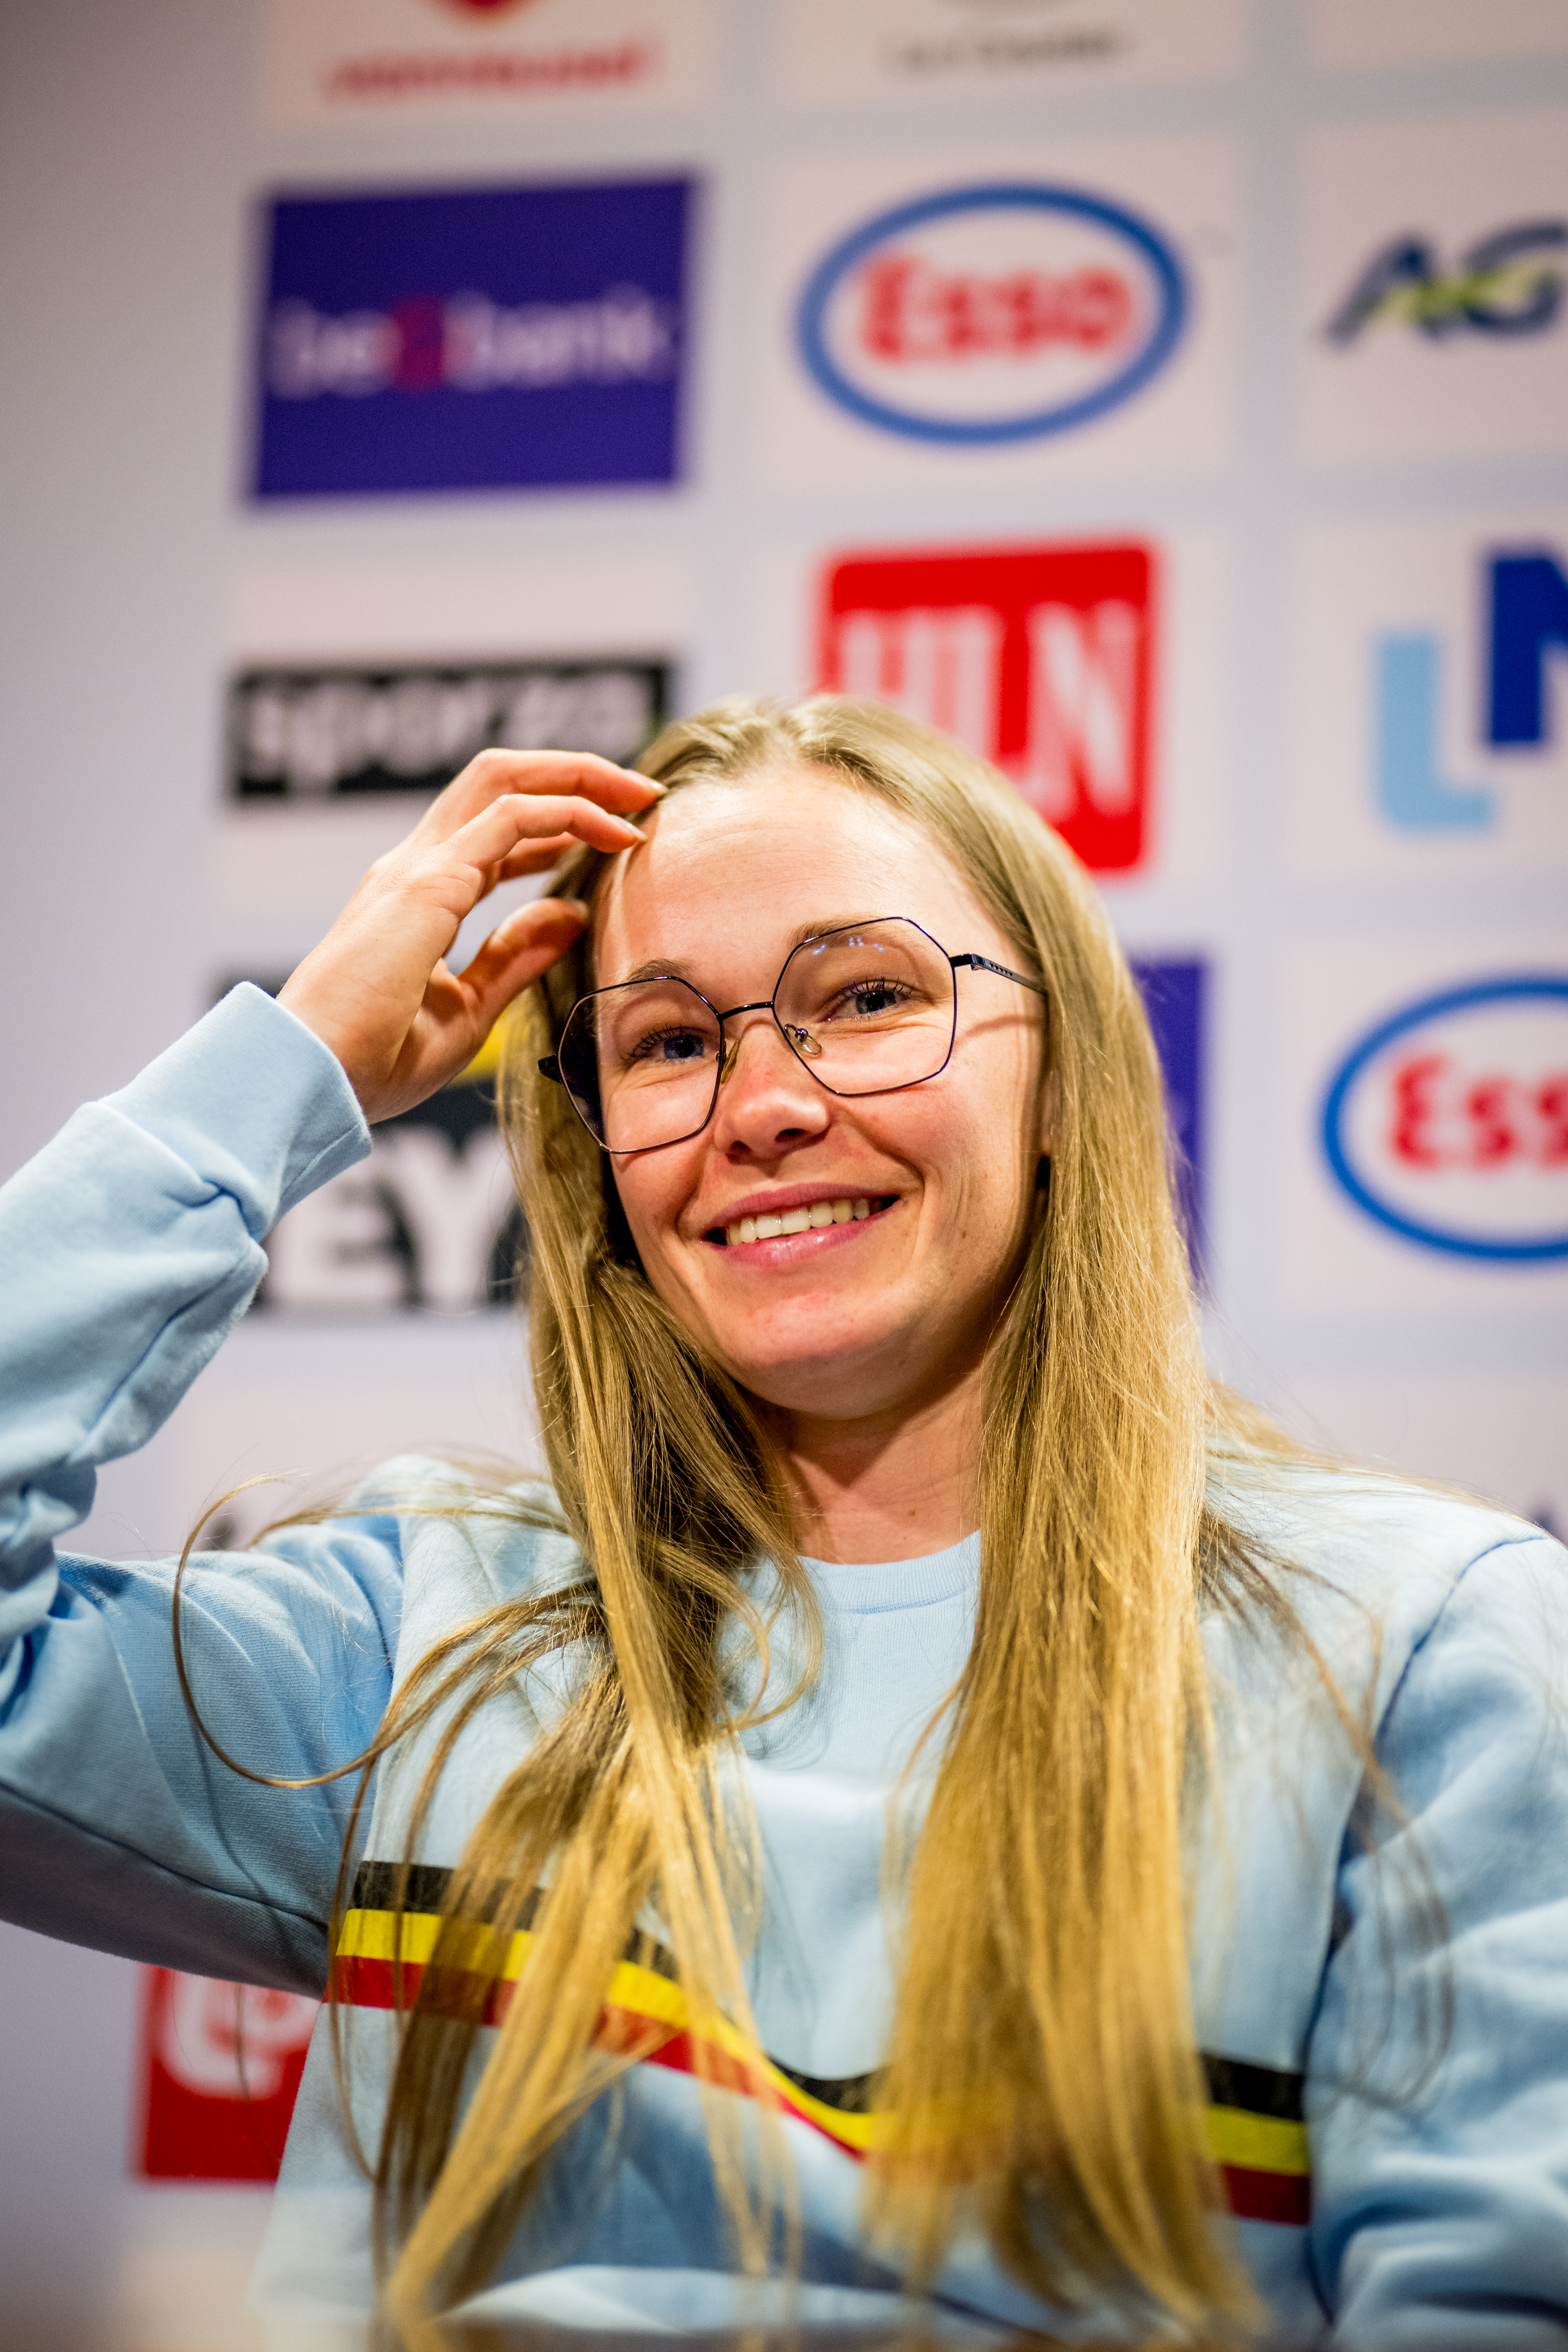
(512, 958)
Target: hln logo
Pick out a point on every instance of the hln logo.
(1525, 622)
(1039, 659)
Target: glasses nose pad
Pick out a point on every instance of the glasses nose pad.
(727, 1051)
(801, 1039)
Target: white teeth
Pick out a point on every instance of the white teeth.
(796, 1221)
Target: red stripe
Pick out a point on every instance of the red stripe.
(391, 1984)
(1284, 2197)
(363, 1983)
(381, 1984)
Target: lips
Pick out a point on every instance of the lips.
(766, 1224)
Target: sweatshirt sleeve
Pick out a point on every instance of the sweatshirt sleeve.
(1438, 2100)
(128, 1249)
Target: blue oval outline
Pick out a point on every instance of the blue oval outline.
(1038, 195)
(1429, 1008)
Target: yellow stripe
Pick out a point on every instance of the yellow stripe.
(375, 1936)
(1257, 2143)
(1254, 2142)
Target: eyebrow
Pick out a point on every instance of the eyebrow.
(680, 967)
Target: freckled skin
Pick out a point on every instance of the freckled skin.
(869, 1349)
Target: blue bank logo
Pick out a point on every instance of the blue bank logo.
(1448, 1121)
(992, 313)
(1524, 602)
(473, 339)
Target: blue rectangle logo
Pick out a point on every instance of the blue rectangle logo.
(473, 339)
(1175, 998)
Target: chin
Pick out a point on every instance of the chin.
(818, 1376)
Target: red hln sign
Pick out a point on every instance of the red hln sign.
(1040, 658)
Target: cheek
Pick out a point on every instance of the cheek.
(652, 1193)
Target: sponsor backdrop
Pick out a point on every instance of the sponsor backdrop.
(1170, 397)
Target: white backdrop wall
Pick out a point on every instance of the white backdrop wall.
(1345, 475)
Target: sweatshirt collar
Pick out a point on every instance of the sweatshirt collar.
(865, 1588)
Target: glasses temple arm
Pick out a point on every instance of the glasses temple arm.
(984, 963)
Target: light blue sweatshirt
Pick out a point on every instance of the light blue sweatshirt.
(1390, 2103)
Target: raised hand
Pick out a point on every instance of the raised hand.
(377, 990)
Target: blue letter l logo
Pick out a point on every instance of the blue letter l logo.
(1411, 791)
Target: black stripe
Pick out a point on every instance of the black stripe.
(425, 1888)
(1256, 2090)
(1232, 2081)
(377, 1884)
(852, 2094)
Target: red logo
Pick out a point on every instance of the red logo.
(911, 310)
(1445, 1118)
(222, 2069)
(1039, 659)
(485, 7)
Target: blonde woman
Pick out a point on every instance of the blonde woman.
(935, 1815)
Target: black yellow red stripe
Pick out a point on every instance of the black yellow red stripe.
(1253, 2124)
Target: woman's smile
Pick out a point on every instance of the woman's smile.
(788, 1227)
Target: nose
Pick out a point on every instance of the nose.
(767, 1100)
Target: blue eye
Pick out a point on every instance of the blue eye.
(875, 996)
(669, 1048)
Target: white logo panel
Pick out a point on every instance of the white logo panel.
(1359, 33)
(383, 62)
(1426, 1136)
(1089, 328)
(1436, 317)
(917, 48)
(1429, 707)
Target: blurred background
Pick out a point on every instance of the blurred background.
(1169, 396)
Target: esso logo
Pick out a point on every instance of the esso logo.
(1449, 1123)
(992, 313)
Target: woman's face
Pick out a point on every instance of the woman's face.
(889, 1310)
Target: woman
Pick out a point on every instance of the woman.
(940, 1815)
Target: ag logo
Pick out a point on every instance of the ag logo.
(1510, 283)
(992, 313)
(1448, 1122)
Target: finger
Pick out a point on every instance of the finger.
(518, 951)
(518, 821)
(495, 774)
(536, 858)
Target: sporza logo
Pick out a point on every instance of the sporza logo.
(1524, 602)
(1447, 1123)
(992, 313)
(1508, 284)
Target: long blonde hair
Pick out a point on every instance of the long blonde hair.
(1041, 2079)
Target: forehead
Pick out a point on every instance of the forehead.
(730, 872)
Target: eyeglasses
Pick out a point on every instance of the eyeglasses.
(868, 1010)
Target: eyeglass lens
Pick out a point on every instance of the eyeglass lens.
(867, 1010)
